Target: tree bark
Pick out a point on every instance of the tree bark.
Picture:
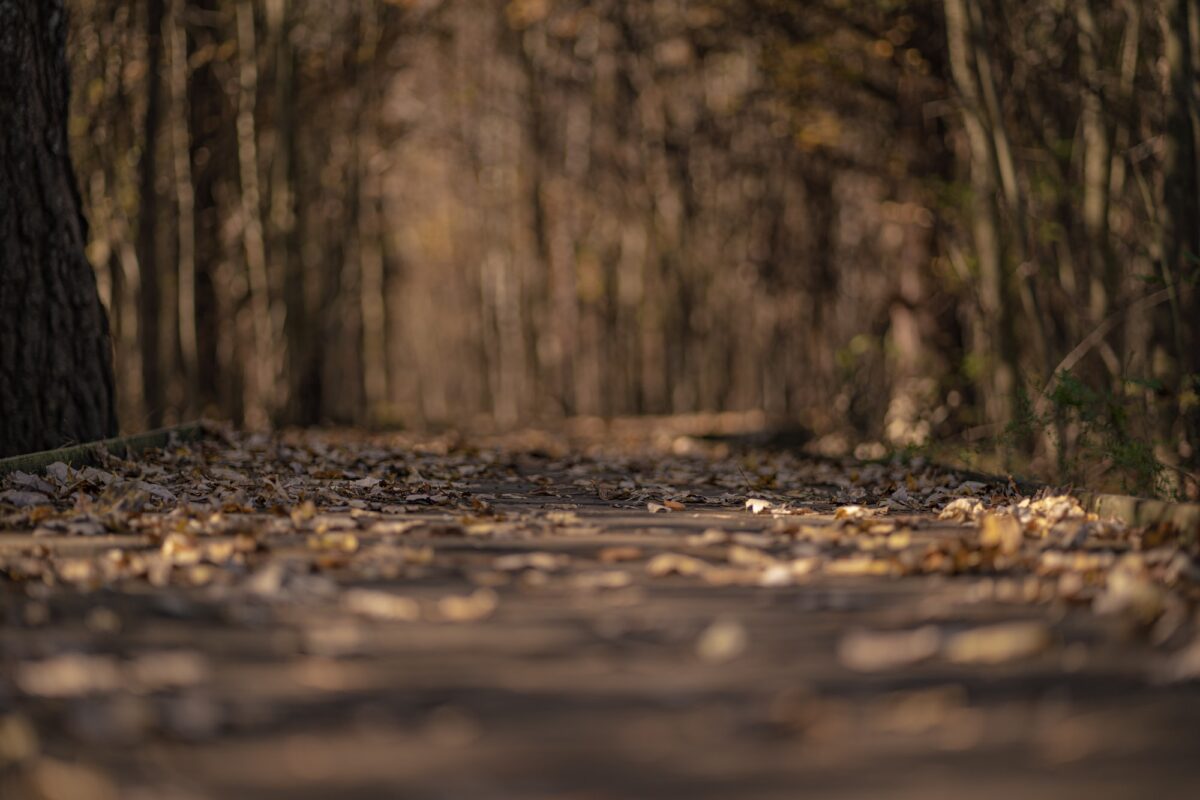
(261, 369)
(994, 338)
(185, 204)
(56, 379)
(149, 267)
(1181, 208)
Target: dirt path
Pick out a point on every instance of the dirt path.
(597, 617)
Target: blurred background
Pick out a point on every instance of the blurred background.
(965, 226)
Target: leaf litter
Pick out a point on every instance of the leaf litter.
(335, 531)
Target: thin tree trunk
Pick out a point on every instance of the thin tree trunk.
(1097, 167)
(185, 204)
(1181, 209)
(206, 133)
(994, 333)
(557, 356)
(1018, 249)
(289, 320)
(371, 284)
(55, 354)
(148, 262)
(260, 402)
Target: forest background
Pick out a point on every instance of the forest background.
(961, 227)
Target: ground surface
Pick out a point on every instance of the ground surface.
(597, 615)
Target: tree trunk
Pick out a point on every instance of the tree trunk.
(149, 265)
(185, 205)
(56, 380)
(994, 339)
(1181, 207)
(261, 369)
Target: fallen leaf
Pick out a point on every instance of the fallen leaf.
(876, 651)
(996, 644)
(859, 566)
(181, 549)
(381, 605)
(23, 499)
(853, 513)
(69, 675)
(1001, 532)
(336, 540)
(722, 641)
(168, 669)
(33, 483)
(537, 560)
(1131, 591)
(758, 506)
(476, 606)
(665, 564)
(964, 509)
(602, 579)
(613, 555)
(742, 556)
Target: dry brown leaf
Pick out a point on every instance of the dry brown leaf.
(859, 566)
(476, 606)
(675, 564)
(996, 644)
(381, 605)
(1001, 532)
(181, 549)
(722, 641)
(741, 556)
(602, 579)
(537, 560)
(613, 555)
(337, 541)
(69, 675)
(852, 513)
(964, 509)
(1131, 591)
(711, 536)
(876, 651)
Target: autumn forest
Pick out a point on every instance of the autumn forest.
(604, 399)
(961, 224)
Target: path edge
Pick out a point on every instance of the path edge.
(91, 453)
(1136, 511)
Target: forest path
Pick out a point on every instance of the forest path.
(334, 615)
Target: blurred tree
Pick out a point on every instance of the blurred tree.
(898, 221)
(1181, 206)
(150, 264)
(55, 357)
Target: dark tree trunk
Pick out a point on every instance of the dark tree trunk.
(149, 297)
(56, 381)
(1181, 206)
(210, 146)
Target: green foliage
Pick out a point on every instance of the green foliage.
(1023, 427)
(1073, 396)
(1097, 435)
